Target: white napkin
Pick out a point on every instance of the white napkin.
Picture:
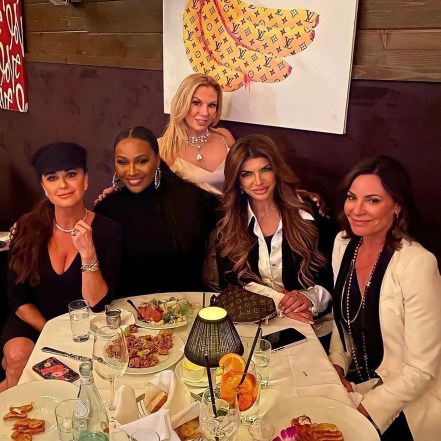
(125, 402)
(266, 291)
(362, 389)
(158, 421)
(179, 406)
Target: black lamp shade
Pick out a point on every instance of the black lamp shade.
(213, 333)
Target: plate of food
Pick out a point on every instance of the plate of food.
(151, 350)
(37, 400)
(312, 416)
(163, 314)
(4, 240)
(127, 318)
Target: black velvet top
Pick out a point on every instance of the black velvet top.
(165, 236)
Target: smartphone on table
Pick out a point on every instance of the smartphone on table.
(284, 338)
(54, 369)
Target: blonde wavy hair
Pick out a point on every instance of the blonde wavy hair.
(175, 136)
(235, 241)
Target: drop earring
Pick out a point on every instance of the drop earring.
(116, 183)
(158, 175)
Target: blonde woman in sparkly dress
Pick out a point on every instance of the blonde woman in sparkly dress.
(387, 305)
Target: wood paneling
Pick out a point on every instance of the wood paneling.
(396, 39)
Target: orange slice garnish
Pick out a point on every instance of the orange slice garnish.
(233, 362)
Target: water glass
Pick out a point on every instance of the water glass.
(226, 426)
(261, 430)
(261, 358)
(247, 333)
(79, 320)
(64, 415)
(144, 435)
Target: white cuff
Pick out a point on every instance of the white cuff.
(319, 298)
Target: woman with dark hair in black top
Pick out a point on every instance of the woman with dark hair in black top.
(166, 220)
(60, 252)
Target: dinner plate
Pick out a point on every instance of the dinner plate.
(45, 394)
(127, 318)
(159, 327)
(353, 425)
(165, 361)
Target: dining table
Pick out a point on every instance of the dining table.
(302, 370)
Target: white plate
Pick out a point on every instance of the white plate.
(45, 394)
(165, 361)
(127, 318)
(159, 327)
(203, 382)
(353, 425)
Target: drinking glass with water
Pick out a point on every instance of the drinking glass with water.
(79, 320)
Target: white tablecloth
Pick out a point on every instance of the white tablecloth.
(302, 370)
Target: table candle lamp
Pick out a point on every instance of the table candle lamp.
(213, 333)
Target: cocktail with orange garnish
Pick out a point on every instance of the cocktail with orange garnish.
(231, 386)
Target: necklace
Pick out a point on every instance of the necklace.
(64, 230)
(349, 321)
(197, 142)
(268, 214)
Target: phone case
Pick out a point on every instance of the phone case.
(54, 369)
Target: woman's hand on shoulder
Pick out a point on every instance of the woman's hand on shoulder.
(227, 135)
(317, 200)
(104, 194)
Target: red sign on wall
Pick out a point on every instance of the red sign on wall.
(13, 92)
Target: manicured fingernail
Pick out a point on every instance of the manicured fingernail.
(311, 322)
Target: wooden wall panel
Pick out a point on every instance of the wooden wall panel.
(395, 40)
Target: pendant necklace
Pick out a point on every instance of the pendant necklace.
(268, 214)
(70, 231)
(197, 142)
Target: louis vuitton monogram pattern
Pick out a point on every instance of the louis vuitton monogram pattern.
(237, 43)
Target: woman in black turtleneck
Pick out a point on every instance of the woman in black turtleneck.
(166, 220)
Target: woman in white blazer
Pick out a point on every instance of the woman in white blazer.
(387, 305)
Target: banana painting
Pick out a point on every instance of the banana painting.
(236, 42)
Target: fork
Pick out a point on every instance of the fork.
(140, 405)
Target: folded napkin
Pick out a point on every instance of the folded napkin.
(125, 402)
(179, 407)
(266, 291)
(159, 422)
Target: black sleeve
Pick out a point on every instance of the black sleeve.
(108, 239)
(18, 293)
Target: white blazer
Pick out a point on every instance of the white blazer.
(410, 321)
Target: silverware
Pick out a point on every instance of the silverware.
(140, 405)
(140, 317)
(65, 354)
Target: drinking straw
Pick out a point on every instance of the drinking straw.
(210, 386)
(259, 327)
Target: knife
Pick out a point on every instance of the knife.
(65, 354)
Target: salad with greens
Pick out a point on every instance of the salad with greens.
(165, 312)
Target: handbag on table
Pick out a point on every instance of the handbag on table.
(245, 306)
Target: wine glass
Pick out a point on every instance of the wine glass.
(110, 356)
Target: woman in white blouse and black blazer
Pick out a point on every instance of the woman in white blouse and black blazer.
(267, 234)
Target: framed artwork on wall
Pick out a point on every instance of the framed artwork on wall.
(283, 63)
(13, 91)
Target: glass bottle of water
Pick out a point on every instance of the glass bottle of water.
(91, 422)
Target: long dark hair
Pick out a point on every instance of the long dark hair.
(34, 230)
(398, 184)
(233, 236)
(174, 195)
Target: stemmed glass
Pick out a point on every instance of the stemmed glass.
(110, 356)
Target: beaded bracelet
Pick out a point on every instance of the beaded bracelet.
(90, 267)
